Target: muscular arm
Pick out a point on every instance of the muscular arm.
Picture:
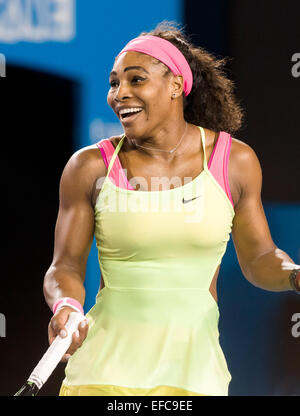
(261, 261)
(74, 230)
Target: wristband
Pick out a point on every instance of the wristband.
(295, 280)
(72, 303)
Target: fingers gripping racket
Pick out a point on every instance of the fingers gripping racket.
(51, 358)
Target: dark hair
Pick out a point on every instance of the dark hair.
(211, 102)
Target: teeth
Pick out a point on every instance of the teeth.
(130, 110)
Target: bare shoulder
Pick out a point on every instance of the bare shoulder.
(86, 160)
(244, 168)
(88, 167)
(244, 158)
(83, 169)
(241, 152)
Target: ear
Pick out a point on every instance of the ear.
(177, 86)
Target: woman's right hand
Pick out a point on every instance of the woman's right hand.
(57, 327)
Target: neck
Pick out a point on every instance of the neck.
(166, 143)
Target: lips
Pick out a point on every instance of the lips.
(129, 114)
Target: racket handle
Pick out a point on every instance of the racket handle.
(55, 352)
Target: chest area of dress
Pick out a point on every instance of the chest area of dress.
(153, 176)
(192, 216)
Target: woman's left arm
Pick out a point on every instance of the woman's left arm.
(261, 261)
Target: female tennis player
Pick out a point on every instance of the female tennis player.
(161, 200)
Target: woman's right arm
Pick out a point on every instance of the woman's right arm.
(73, 239)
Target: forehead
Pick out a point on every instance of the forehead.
(133, 58)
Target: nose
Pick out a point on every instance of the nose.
(122, 93)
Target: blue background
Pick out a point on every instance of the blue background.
(102, 30)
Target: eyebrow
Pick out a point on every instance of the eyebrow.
(128, 68)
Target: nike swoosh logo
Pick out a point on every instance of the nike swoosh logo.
(184, 201)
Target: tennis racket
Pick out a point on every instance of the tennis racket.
(51, 358)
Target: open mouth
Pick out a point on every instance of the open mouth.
(129, 113)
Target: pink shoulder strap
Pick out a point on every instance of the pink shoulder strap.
(218, 162)
(116, 173)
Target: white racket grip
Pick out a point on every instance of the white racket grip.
(55, 352)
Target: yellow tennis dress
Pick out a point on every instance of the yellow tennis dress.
(154, 327)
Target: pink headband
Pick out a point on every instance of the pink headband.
(167, 53)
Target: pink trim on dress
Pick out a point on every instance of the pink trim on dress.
(103, 156)
(218, 163)
(225, 172)
(116, 173)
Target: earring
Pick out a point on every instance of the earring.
(173, 95)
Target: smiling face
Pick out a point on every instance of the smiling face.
(140, 94)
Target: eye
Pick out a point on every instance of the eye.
(136, 79)
(113, 83)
